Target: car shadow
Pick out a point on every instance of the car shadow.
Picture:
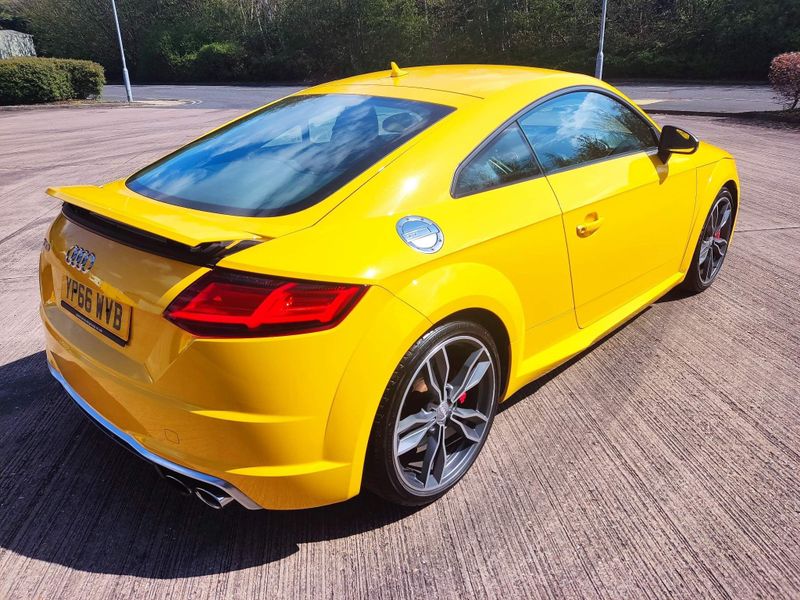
(531, 388)
(70, 496)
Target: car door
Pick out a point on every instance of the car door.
(501, 188)
(626, 214)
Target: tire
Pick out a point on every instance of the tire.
(405, 463)
(714, 238)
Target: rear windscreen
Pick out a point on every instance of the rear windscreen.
(287, 156)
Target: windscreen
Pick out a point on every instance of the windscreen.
(287, 156)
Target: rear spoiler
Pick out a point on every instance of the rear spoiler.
(185, 226)
(162, 229)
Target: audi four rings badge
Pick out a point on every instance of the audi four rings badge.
(80, 258)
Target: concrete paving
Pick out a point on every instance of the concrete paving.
(702, 98)
(708, 98)
(204, 96)
(663, 463)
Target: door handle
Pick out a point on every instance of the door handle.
(589, 227)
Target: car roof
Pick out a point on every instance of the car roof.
(480, 81)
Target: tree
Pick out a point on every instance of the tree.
(10, 17)
(264, 40)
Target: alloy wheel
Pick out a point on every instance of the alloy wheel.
(445, 415)
(714, 240)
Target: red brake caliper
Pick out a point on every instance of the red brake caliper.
(462, 398)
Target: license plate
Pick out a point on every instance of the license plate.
(103, 314)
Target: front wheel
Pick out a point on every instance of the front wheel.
(712, 247)
(435, 415)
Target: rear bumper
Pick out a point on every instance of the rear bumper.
(277, 423)
(130, 443)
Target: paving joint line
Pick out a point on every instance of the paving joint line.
(768, 229)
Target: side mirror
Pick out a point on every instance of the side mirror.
(675, 141)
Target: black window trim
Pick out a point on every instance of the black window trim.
(543, 173)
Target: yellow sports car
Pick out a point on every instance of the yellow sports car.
(337, 290)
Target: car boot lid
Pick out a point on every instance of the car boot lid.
(191, 227)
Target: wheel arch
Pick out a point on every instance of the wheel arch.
(733, 187)
(474, 291)
(421, 300)
(711, 179)
(497, 329)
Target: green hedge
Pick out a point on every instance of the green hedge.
(37, 80)
(219, 61)
(87, 77)
(167, 60)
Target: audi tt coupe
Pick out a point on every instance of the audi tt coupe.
(337, 290)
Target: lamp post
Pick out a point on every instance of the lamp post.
(126, 80)
(598, 65)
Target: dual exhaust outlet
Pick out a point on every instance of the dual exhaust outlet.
(208, 494)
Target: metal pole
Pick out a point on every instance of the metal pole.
(598, 66)
(125, 77)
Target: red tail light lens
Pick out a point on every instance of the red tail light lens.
(225, 303)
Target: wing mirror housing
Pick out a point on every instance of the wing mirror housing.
(675, 140)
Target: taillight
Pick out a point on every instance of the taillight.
(224, 303)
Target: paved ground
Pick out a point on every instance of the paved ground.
(728, 98)
(664, 463)
(713, 98)
(204, 96)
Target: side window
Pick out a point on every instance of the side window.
(506, 159)
(581, 127)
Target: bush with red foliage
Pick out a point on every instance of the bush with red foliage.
(784, 75)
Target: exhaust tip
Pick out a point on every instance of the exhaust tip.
(216, 499)
(178, 485)
(209, 495)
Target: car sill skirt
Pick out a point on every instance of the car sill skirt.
(131, 444)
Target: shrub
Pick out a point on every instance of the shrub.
(31, 81)
(282, 67)
(167, 57)
(87, 77)
(219, 61)
(37, 80)
(784, 75)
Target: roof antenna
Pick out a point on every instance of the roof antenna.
(397, 71)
